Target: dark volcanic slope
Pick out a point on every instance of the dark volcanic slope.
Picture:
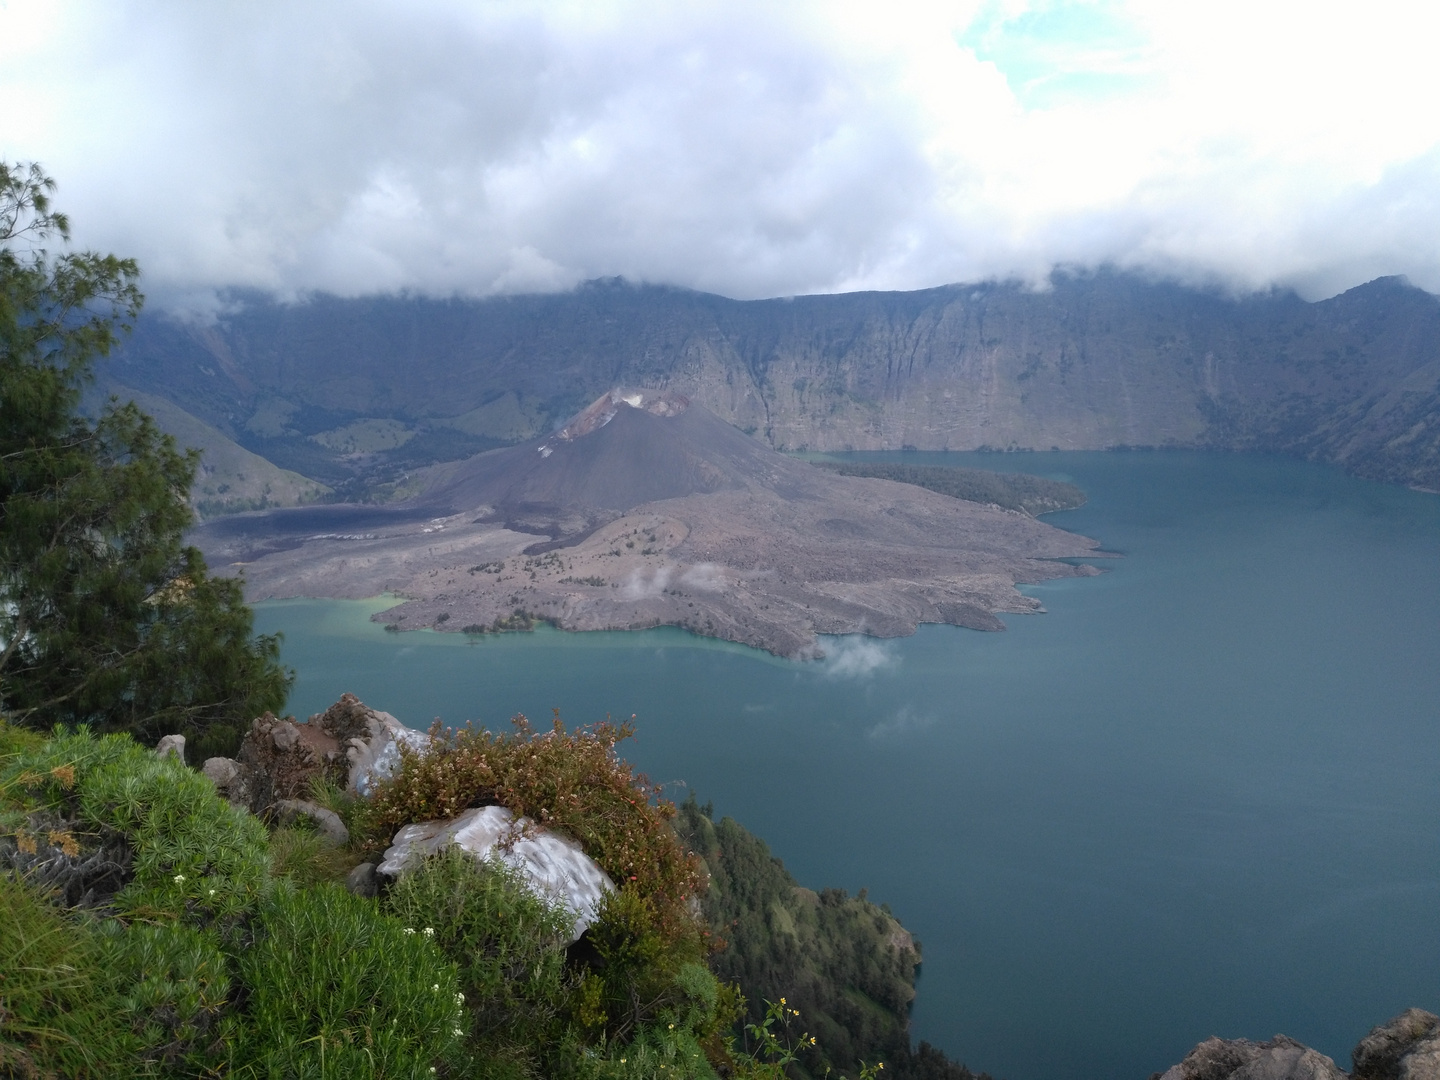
(661, 513)
(628, 448)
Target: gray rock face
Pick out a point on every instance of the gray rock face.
(362, 880)
(231, 780)
(1404, 1048)
(221, 771)
(288, 811)
(1281, 1058)
(554, 865)
(284, 735)
(171, 745)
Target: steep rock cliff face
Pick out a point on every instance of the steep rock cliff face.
(1094, 362)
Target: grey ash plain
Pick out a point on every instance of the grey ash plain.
(647, 510)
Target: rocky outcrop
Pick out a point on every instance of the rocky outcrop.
(553, 865)
(281, 760)
(1281, 1058)
(1405, 1048)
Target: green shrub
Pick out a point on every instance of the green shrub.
(306, 857)
(573, 781)
(193, 855)
(88, 998)
(171, 984)
(509, 945)
(338, 989)
(53, 1016)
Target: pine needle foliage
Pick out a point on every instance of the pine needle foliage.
(194, 856)
(106, 617)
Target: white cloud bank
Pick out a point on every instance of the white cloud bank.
(742, 146)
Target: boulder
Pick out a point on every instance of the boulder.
(221, 771)
(349, 743)
(171, 745)
(1281, 1058)
(281, 759)
(1404, 1048)
(285, 735)
(327, 822)
(553, 865)
(375, 756)
(231, 780)
(362, 880)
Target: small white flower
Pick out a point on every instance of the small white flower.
(436, 988)
(409, 929)
(429, 931)
(212, 892)
(459, 1032)
(179, 879)
(459, 998)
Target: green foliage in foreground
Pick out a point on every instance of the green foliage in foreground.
(510, 945)
(221, 949)
(193, 857)
(1013, 491)
(338, 989)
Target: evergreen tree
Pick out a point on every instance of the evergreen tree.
(106, 617)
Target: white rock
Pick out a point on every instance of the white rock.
(171, 745)
(553, 865)
(377, 757)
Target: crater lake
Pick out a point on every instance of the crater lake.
(1199, 796)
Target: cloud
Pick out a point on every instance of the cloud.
(644, 584)
(641, 585)
(703, 577)
(902, 721)
(854, 656)
(753, 149)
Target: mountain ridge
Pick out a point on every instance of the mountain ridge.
(1097, 361)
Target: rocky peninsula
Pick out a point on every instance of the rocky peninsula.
(647, 510)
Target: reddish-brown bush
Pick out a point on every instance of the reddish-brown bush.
(572, 781)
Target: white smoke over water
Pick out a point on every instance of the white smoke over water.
(902, 721)
(854, 656)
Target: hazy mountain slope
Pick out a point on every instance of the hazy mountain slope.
(231, 479)
(1097, 361)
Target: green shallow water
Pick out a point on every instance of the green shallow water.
(1201, 795)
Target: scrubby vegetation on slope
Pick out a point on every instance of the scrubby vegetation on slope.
(212, 945)
(845, 964)
(1013, 491)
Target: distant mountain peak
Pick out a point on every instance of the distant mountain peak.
(603, 409)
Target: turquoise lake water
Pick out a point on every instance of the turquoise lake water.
(1201, 795)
